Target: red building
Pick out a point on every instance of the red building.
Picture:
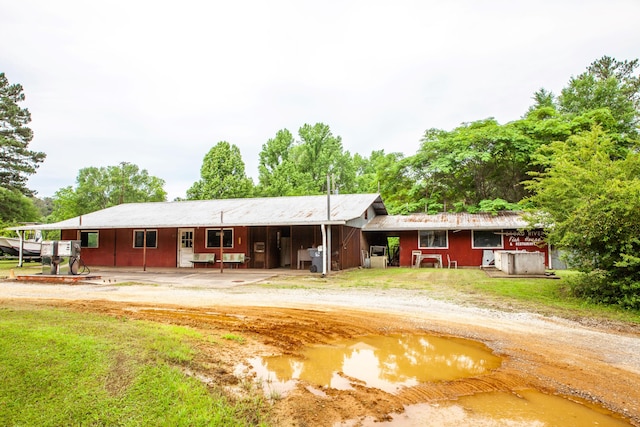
(278, 232)
(467, 239)
(245, 233)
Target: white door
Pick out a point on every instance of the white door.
(488, 258)
(185, 247)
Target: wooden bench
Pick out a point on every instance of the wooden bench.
(203, 259)
(235, 259)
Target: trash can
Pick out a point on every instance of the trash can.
(316, 259)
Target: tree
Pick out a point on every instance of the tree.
(289, 167)
(278, 174)
(588, 199)
(16, 207)
(17, 162)
(477, 161)
(222, 175)
(320, 153)
(609, 84)
(100, 188)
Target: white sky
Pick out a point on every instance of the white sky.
(158, 83)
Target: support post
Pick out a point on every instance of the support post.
(221, 244)
(20, 250)
(324, 248)
(144, 250)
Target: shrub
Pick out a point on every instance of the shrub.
(601, 287)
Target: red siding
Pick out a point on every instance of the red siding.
(115, 247)
(240, 243)
(460, 246)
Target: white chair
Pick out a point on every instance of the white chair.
(416, 258)
(449, 262)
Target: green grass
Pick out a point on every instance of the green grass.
(6, 265)
(65, 368)
(233, 337)
(472, 286)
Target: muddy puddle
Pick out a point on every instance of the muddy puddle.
(397, 362)
(388, 363)
(527, 408)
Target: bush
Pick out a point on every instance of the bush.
(600, 287)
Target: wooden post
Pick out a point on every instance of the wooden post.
(144, 250)
(221, 245)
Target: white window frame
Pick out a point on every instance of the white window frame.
(446, 239)
(224, 230)
(140, 230)
(498, 232)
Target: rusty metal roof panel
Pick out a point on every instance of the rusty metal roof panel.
(301, 210)
(448, 221)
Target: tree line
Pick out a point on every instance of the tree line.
(571, 160)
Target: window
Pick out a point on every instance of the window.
(186, 239)
(88, 239)
(213, 238)
(487, 239)
(432, 239)
(138, 238)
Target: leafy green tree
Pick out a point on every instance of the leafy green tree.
(278, 174)
(44, 206)
(588, 197)
(607, 84)
(16, 207)
(320, 153)
(100, 188)
(478, 161)
(298, 167)
(17, 162)
(222, 175)
(368, 171)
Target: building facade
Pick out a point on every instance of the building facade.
(284, 232)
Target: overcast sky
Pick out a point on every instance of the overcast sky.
(158, 83)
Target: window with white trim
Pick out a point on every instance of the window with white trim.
(138, 238)
(433, 239)
(213, 238)
(490, 239)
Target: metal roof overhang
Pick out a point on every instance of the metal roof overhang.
(58, 226)
(447, 221)
(274, 211)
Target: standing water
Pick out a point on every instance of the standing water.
(393, 362)
(387, 362)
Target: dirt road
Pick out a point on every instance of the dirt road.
(595, 363)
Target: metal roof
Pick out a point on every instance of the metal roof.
(299, 210)
(448, 221)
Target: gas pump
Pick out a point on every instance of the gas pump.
(62, 256)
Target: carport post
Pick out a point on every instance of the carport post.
(221, 245)
(144, 250)
(20, 250)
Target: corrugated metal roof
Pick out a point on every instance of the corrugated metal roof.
(302, 210)
(448, 221)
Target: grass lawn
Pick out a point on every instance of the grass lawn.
(6, 265)
(65, 368)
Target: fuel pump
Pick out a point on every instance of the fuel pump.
(62, 256)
